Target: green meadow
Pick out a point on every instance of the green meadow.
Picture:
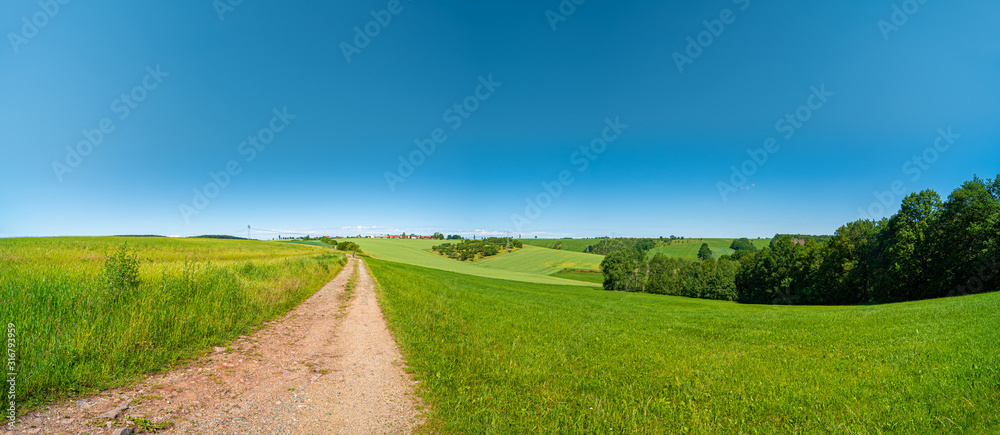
(498, 356)
(681, 248)
(688, 248)
(590, 276)
(76, 332)
(574, 245)
(529, 264)
(542, 261)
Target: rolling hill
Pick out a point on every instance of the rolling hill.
(534, 358)
(529, 264)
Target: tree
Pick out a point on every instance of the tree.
(743, 244)
(438, 236)
(966, 255)
(663, 275)
(625, 270)
(777, 275)
(645, 244)
(910, 239)
(849, 264)
(705, 253)
(348, 246)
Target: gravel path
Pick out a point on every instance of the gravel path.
(328, 367)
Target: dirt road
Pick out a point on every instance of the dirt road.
(328, 367)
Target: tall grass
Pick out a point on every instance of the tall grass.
(83, 325)
(495, 356)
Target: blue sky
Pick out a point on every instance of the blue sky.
(546, 80)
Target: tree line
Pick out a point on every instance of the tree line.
(930, 248)
(342, 245)
(608, 245)
(440, 236)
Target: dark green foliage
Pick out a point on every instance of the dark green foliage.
(929, 249)
(909, 242)
(348, 246)
(330, 241)
(849, 267)
(707, 279)
(705, 253)
(454, 237)
(470, 250)
(969, 234)
(743, 244)
(779, 274)
(122, 269)
(438, 236)
(799, 237)
(625, 270)
(608, 245)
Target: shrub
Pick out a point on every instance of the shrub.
(705, 253)
(743, 244)
(122, 269)
(348, 246)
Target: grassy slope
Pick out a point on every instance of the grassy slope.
(74, 335)
(506, 357)
(541, 261)
(574, 245)
(596, 278)
(688, 248)
(509, 267)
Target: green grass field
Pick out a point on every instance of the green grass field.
(541, 261)
(684, 248)
(496, 356)
(577, 275)
(528, 264)
(574, 245)
(688, 248)
(75, 335)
